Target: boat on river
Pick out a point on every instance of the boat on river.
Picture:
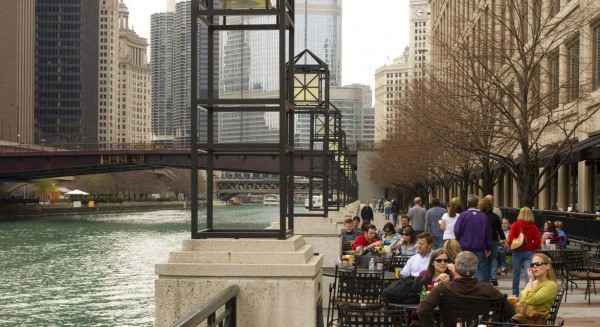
(271, 200)
(317, 202)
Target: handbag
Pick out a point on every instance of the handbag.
(528, 315)
(519, 242)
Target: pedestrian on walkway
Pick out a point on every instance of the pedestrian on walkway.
(387, 209)
(487, 206)
(522, 258)
(417, 216)
(433, 221)
(366, 213)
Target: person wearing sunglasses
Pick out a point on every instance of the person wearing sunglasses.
(437, 270)
(407, 242)
(541, 290)
(389, 234)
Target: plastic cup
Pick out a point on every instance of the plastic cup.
(512, 300)
(547, 242)
(429, 288)
(398, 270)
(380, 266)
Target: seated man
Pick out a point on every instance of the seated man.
(419, 261)
(349, 233)
(368, 240)
(464, 286)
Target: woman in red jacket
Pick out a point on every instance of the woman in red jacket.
(523, 256)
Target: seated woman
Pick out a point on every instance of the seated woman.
(541, 290)
(437, 270)
(550, 233)
(558, 225)
(390, 234)
(407, 243)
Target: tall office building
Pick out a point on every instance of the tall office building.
(391, 84)
(179, 67)
(354, 103)
(250, 69)
(17, 53)
(108, 66)
(134, 85)
(66, 71)
(161, 59)
(420, 24)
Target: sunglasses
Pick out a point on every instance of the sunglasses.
(442, 260)
(537, 264)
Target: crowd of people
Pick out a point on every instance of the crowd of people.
(463, 251)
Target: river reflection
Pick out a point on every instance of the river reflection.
(96, 270)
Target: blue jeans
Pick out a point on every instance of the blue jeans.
(493, 260)
(520, 258)
(483, 269)
(386, 213)
(395, 218)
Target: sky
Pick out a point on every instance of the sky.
(372, 35)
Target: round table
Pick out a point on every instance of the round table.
(387, 275)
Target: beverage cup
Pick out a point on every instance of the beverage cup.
(429, 288)
(547, 242)
(380, 266)
(512, 300)
(398, 270)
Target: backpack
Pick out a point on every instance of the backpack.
(406, 290)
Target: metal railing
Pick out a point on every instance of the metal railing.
(582, 226)
(207, 313)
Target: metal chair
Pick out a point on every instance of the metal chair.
(555, 306)
(470, 309)
(356, 289)
(506, 324)
(578, 268)
(372, 318)
(346, 247)
(397, 261)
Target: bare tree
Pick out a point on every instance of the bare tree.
(493, 89)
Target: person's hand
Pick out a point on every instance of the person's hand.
(530, 274)
(488, 253)
(443, 277)
(452, 268)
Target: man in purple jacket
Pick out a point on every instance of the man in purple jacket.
(474, 233)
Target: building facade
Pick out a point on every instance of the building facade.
(568, 80)
(134, 117)
(391, 84)
(250, 68)
(108, 67)
(17, 54)
(356, 106)
(66, 71)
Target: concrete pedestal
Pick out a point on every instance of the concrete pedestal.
(280, 280)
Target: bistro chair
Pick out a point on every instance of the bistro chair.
(511, 324)
(470, 309)
(578, 268)
(397, 261)
(351, 317)
(358, 289)
(346, 247)
(551, 319)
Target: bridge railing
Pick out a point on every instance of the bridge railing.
(212, 312)
(12, 147)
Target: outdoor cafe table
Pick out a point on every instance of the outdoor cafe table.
(387, 275)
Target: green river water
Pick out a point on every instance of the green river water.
(96, 270)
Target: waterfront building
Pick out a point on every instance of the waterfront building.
(133, 111)
(17, 53)
(66, 71)
(171, 71)
(250, 68)
(567, 75)
(108, 66)
(391, 84)
(161, 36)
(356, 106)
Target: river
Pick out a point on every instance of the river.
(97, 270)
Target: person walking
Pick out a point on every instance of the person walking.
(521, 258)
(387, 209)
(487, 206)
(366, 213)
(433, 221)
(449, 218)
(417, 216)
(395, 210)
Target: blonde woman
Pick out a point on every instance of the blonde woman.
(541, 290)
(452, 247)
(522, 257)
(449, 219)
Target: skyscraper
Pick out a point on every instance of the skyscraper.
(109, 68)
(161, 36)
(66, 71)
(250, 68)
(172, 73)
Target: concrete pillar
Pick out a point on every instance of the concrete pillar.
(544, 196)
(506, 191)
(563, 188)
(481, 195)
(584, 188)
(516, 203)
(497, 195)
(280, 280)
